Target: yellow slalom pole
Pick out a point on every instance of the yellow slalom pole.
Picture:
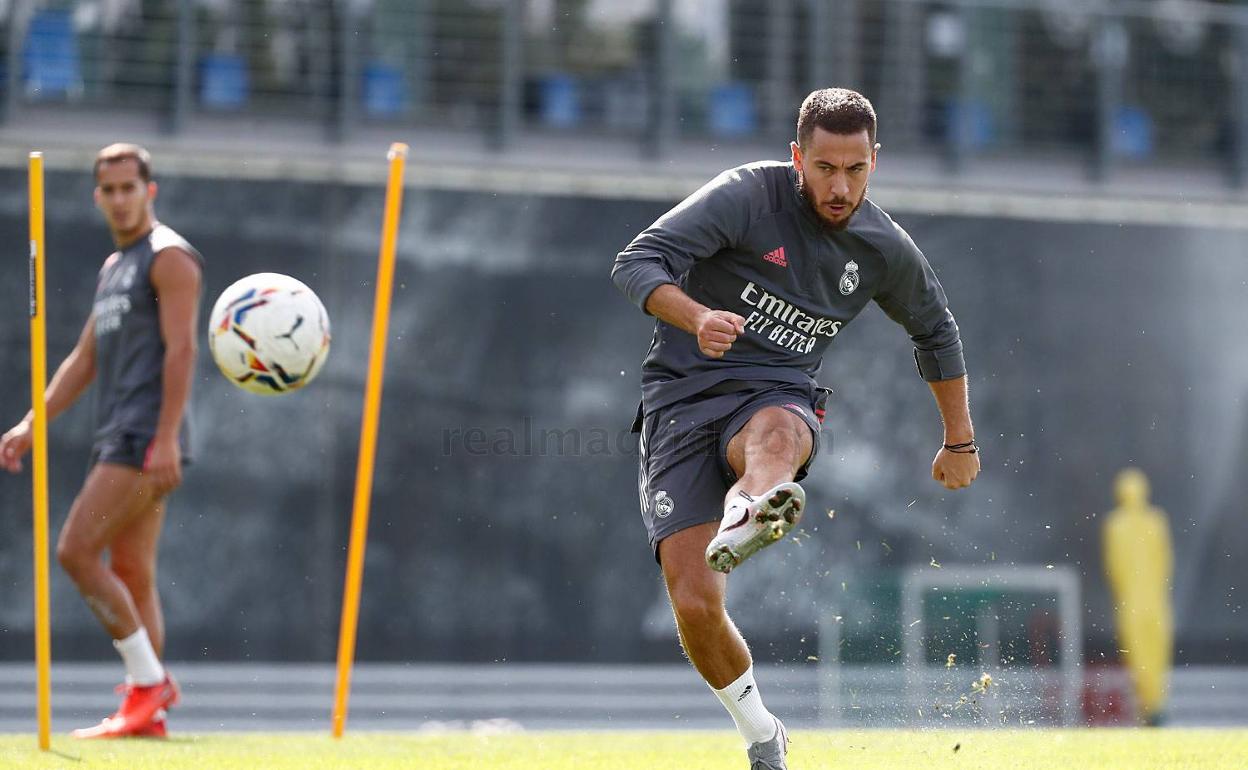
(368, 436)
(39, 451)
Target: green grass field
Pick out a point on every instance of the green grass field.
(1116, 749)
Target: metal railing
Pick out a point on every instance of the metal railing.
(1107, 82)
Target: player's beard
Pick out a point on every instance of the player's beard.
(823, 221)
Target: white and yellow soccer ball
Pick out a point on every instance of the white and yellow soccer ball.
(269, 333)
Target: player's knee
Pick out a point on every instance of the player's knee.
(75, 559)
(697, 606)
(779, 445)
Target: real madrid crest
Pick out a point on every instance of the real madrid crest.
(663, 504)
(849, 279)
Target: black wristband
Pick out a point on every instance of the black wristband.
(965, 448)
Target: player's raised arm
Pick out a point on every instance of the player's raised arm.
(957, 462)
(72, 378)
(716, 330)
(912, 296)
(711, 219)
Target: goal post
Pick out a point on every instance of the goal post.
(920, 584)
(910, 647)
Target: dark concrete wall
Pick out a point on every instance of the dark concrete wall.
(1091, 347)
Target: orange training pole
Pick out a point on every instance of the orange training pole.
(368, 436)
(39, 451)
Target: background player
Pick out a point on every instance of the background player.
(138, 346)
(751, 278)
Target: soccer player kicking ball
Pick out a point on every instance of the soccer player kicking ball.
(138, 346)
(751, 278)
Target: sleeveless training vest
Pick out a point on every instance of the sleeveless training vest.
(129, 351)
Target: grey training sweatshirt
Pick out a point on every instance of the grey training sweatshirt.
(747, 242)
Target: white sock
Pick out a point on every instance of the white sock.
(142, 666)
(745, 706)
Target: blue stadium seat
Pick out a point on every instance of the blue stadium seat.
(1133, 133)
(385, 92)
(223, 81)
(52, 66)
(970, 124)
(731, 111)
(560, 96)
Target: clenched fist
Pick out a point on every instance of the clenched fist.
(955, 470)
(717, 330)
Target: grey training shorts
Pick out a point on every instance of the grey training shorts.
(683, 474)
(126, 448)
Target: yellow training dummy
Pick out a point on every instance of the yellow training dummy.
(1139, 563)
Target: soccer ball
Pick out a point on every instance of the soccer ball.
(269, 334)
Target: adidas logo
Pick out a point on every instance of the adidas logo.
(749, 688)
(777, 257)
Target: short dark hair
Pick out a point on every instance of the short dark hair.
(837, 111)
(122, 151)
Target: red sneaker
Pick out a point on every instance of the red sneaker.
(155, 728)
(116, 727)
(139, 713)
